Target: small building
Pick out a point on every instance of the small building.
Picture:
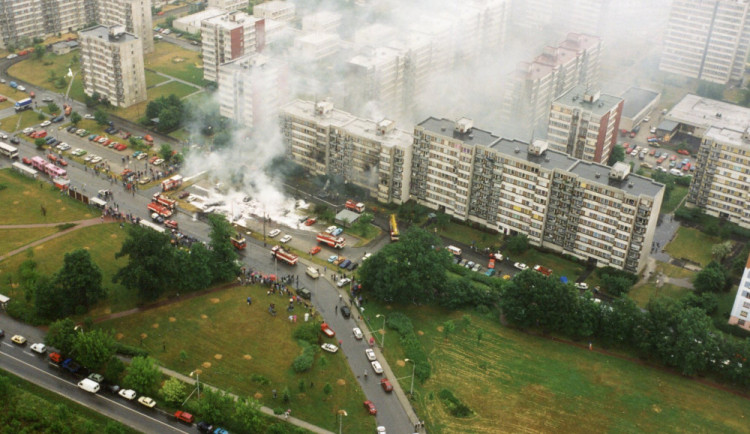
(346, 218)
(192, 23)
(638, 104)
(741, 307)
(64, 47)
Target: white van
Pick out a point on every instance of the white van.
(675, 172)
(455, 250)
(312, 272)
(97, 202)
(89, 385)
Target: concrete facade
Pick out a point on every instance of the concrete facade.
(228, 37)
(275, 10)
(229, 5)
(135, 15)
(741, 307)
(192, 23)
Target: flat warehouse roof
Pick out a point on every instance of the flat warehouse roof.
(636, 99)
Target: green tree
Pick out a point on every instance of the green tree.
(114, 370)
(247, 415)
(183, 353)
(442, 220)
(173, 391)
(712, 278)
(94, 348)
(223, 253)
(53, 108)
(151, 262)
(448, 328)
(47, 299)
(143, 375)
(721, 250)
(617, 154)
(165, 152)
(215, 405)
(39, 51)
(170, 119)
(618, 324)
(517, 244)
(327, 389)
(80, 280)
(527, 299)
(616, 285)
(408, 270)
(75, 118)
(62, 335)
(101, 117)
(480, 335)
(40, 143)
(710, 90)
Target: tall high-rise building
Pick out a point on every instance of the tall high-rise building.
(228, 37)
(112, 65)
(135, 15)
(707, 39)
(20, 19)
(584, 124)
(278, 10)
(585, 16)
(229, 5)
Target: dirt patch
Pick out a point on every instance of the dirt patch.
(14, 285)
(206, 365)
(172, 319)
(155, 325)
(218, 356)
(144, 335)
(107, 311)
(113, 236)
(440, 329)
(258, 395)
(119, 336)
(400, 363)
(389, 307)
(27, 192)
(420, 332)
(215, 300)
(204, 316)
(86, 248)
(63, 209)
(39, 247)
(15, 202)
(341, 382)
(381, 331)
(198, 371)
(247, 357)
(656, 408)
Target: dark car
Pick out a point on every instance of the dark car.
(2, 333)
(204, 426)
(304, 293)
(15, 140)
(353, 266)
(345, 312)
(72, 129)
(183, 195)
(112, 388)
(345, 264)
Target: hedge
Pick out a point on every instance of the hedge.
(412, 347)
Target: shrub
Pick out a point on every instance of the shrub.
(412, 347)
(304, 361)
(307, 332)
(454, 405)
(260, 379)
(127, 350)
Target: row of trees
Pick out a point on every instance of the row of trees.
(169, 110)
(155, 266)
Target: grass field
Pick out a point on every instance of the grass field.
(153, 78)
(11, 239)
(465, 234)
(39, 72)
(27, 118)
(515, 382)
(693, 245)
(643, 293)
(13, 94)
(678, 193)
(102, 241)
(176, 61)
(230, 342)
(24, 198)
(6, 104)
(137, 111)
(36, 409)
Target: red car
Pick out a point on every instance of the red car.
(311, 221)
(314, 250)
(171, 224)
(672, 157)
(3, 98)
(386, 385)
(41, 134)
(371, 408)
(62, 162)
(184, 416)
(152, 159)
(55, 358)
(683, 152)
(121, 146)
(26, 161)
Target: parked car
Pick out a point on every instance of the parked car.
(346, 312)
(15, 140)
(286, 239)
(329, 347)
(376, 367)
(304, 293)
(371, 407)
(343, 282)
(147, 402)
(345, 263)
(274, 233)
(99, 378)
(336, 232)
(521, 266)
(582, 285)
(370, 353)
(357, 333)
(88, 116)
(333, 258)
(330, 229)
(184, 416)
(45, 123)
(18, 340)
(39, 348)
(311, 221)
(387, 386)
(314, 250)
(128, 394)
(204, 426)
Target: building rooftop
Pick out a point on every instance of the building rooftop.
(576, 97)
(368, 129)
(704, 113)
(446, 127)
(520, 150)
(726, 135)
(274, 6)
(232, 20)
(636, 99)
(635, 185)
(110, 33)
(197, 17)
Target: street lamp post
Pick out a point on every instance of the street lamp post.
(382, 340)
(197, 387)
(342, 413)
(413, 369)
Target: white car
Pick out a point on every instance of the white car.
(274, 233)
(286, 238)
(96, 160)
(128, 394)
(45, 123)
(357, 333)
(343, 282)
(146, 401)
(63, 146)
(330, 229)
(476, 268)
(521, 266)
(370, 353)
(11, 56)
(39, 348)
(89, 158)
(141, 156)
(367, 255)
(157, 162)
(330, 348)
(582, 285)
(28, 130)
(22, 88)
(376, 367)
(88, 116)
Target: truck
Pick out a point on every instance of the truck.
(544, 270)
(327, 330)
(331, 241)
(164, 200)
(159, 209)
(171, 183)
(282, 255)
(238, 241)
(71, 366)
(355, 206)
(24, 104)
(68, 109)
(393, 225)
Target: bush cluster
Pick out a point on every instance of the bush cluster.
(455, 406)
(412, 348)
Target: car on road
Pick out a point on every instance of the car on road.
(21, 88)
(346, 312)
(141, 156)
(357, 333)
(11, 56)
(28, 130)
(18, 340)
(582, 285)
(274, 233)
(26, 161)
(469, 264)
(285, 238)
(96, 159)
(376, 367)
(345, 263)
(39, 348)
(314, 250)
(78, 152)
(330, 229)
(312, 272)
(128, 394)
(15, 140)
(370, 353)
(311, 221)
(112, 388)
(204, 426)
(521, 266)
(371, 407)
(147, 402)
(387, 386)
(171, 224)
(47, 99)
(304, 293)
(184, 416)
(336, 232)
(99, 378)
(158, 162)
(683, 151)
(333, 258)
(55, 358)
(45, 123)
(476, 267)
(343, 282)
(330, 348)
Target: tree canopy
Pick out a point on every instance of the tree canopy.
(168, 109)
(143, 375)
(151, 267)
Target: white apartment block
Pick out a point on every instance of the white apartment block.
(135, 15)
(275, 10)
(741, 307)
(229, 5)
(323, 21)
(586, 16)
(707, 39)
(316, 46)
(21, 19)
(584, 124)
(192, 23)
(228, 37)
(252, 88)
(377, 75)
(533, 86)
(112, 65)
(373, 155)
(591, 211)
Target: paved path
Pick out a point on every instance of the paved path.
(78, 225)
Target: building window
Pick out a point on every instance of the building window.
(743, 314)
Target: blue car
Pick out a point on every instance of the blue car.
(345, 263)
(336, 232)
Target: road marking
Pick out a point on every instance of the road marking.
(95, 395)
(5, 343)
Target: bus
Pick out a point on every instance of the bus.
(54, 171)
(147, 224)
(9, 151)
(394, 228)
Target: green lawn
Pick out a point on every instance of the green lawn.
(642, 294)
(466, 234)
(678, 193)
(102, 241)
(24, 197)
(39, 72)
(153, 78)
(693, 245)
(11, 239)
(13, 94)
(514, 382)
(177, 62)
(137, 111)
(30, 408)
(230, 342)
(27, 118)
(181, 134)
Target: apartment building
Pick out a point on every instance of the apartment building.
(585, 16)
(584, 124)
(707, 39)
(229, 5)
(373, 155)
(315, 46)
(323, 21)
(377, 75)
(600, 214)
(275, 10)
(228, 37)
(135, 15)
(534, 85)
(112, 65)
(19, 20)
(741, 307)
(252, 88)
